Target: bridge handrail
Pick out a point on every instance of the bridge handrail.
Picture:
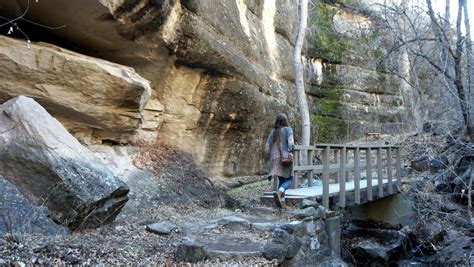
(321, 146)
(344, 164)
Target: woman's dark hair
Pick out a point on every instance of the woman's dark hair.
(281, 121)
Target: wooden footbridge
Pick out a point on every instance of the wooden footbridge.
(343, 175)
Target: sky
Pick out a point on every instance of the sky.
(439, 6)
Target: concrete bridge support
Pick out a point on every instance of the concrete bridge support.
(333, 230)
(395, 209)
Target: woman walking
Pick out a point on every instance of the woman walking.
(279, 146)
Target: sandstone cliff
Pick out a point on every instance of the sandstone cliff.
(219, 71)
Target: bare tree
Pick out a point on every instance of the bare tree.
(298, 69)
(451, 63)
(470, 67)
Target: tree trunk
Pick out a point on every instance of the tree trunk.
(469, 190)
(458, 81)
(298, 69)
(446, 23)
(469, 70)
(404, 69)
(452, 77)
(446, 28)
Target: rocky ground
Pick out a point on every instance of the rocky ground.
(443, 233)
(177, 193)
(124, 241)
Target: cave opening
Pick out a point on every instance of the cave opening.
(31, 31)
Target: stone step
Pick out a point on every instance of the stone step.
(218, 245)
(291, 201)
(227, 246)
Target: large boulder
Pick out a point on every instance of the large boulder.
(18, 215)
(50, 167)
(90, 96)
(375, 243)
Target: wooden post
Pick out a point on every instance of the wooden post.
(342, 179)
(295, 180)
(296, 162)
(368, 159)
(357, 175)
(310, 163)
(380, 171)
(336, 161)
(347, 161)
(275, 183)
(326, 177)
(399, 169)
(389, 170)
(296, 155)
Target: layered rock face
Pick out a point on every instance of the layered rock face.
(351, 89)
(51, 168)
(219, 72)
(350, 101)
(93, 97)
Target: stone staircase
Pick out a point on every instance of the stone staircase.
(292, 237)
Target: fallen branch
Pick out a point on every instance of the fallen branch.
(469, 202)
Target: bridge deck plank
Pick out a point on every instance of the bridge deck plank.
(317, 191)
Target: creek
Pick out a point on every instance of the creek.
(397, 236)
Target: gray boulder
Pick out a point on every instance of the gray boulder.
(293, 247)
(281, 236)
(282, 246)
(420, 164)
(320, 212)
(18, 215)
(274, 250)
(303, 213)
(49, 166)
(306, 203)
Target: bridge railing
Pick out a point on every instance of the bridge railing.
(343, 163)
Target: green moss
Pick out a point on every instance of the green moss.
(378, 54)
(327, 107)
(328, 44)
(325, 112)
(349, 2)
(329, 129)
(332, 91)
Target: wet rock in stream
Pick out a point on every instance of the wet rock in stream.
(375, 243)
(370, 243)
